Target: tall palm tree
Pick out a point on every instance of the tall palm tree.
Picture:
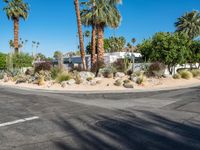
(103, 13)
(87, 18)
(82, 51)
(189, 24)
(15, 10)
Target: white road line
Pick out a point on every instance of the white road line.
(18, 121)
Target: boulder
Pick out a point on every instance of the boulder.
(118, 82)
(71, 82)
(128, 85)
(84, 75)
(64, 84)
(120, 75)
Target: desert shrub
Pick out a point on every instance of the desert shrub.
(41, 80)
(185, 74)
(118, 82)
(45, 74)
(141, 79)
(109, 71)
(126, 81)
(2, 61)
(181, 69)
(77, 77)
(177, 76)
(63, 77)
(121, 65)
(156, 69)
(195, 72)
(97, 66)
(89, 79)
(55, 71)
(29, 72)
(46, 66)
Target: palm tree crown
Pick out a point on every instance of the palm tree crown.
(189, 24)
(16, 9)
(102, 12)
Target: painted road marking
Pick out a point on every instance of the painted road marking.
(18, 121)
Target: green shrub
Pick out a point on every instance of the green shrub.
(122, 65)
(22, 60)
(63, 77)
(185, 74)
(118, 82)
(177, 76)
(195, 72)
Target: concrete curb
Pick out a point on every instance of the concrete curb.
(127, 91)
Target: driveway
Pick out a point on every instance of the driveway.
(165, 120)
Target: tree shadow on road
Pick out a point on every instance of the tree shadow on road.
(128, 132)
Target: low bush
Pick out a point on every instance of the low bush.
(63, 77)
(118, 82)
(156, 69)
(121, 65)
(141, 79)
(195, 72)
(55, 71)
(45, 66)
(177, 76)
(109, 71)
(185, 74)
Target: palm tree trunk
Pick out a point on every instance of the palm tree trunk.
(100, 48)
(16, 35)
(82, 51)
(93, 44)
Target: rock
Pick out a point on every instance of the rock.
(71, 82)
(118, 82)
(128, 85)
(93, 83)
(64, 84)
(50, 83)
(5, 78)
(120, 75)
(85, 75)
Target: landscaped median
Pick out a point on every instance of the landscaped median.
(107, 80)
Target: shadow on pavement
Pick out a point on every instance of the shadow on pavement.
(128, 132)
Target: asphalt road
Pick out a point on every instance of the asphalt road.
(167, 120)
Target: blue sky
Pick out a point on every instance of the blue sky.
(53, 23)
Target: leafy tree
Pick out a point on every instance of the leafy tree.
(195, 53)
(2, 61)
(21, 60)
(189, 24)
(114, 44)
(15, 10)
(168, 48)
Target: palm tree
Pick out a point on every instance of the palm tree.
(15, 10)
(102, 13)
(189, 24)
(88, 20)
(82, 51)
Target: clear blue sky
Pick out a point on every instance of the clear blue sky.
(53, 23)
